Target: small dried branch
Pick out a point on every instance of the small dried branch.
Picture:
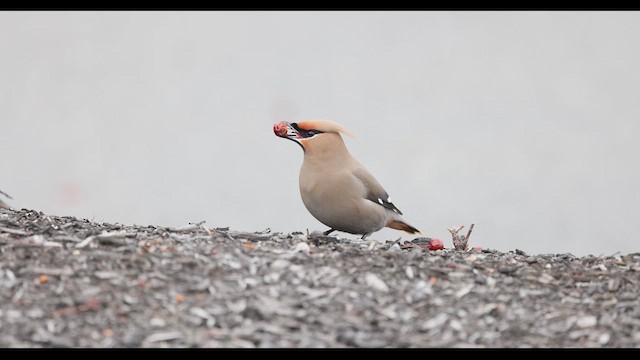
(13, 231)
(460, 242)
(191, 227)
(469, 232)
(3, 205)
(104, 236)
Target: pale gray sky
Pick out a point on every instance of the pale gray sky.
(525, 123)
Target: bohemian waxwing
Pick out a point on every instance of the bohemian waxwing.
(335, 188)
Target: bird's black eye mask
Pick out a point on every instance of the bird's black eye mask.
(305, 133)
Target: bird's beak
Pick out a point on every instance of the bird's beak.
(286, 130)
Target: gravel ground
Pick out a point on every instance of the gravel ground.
(68, 282)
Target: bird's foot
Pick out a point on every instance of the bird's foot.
(321, 237)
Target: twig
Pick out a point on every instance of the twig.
(90, 304)
(186, 228)
(13, 231)
(47, 271)
(105, 235)
(202, 227)
(85, 242)
(460, 241)
(3, 205)
(469, 232)
(190, 227)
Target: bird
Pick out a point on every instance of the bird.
(335, 187)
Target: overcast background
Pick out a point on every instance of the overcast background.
(525, 123)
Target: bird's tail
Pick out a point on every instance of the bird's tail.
(401, 225)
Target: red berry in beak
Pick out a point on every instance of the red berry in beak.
(280, 129)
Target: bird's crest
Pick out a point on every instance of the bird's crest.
(325, 126)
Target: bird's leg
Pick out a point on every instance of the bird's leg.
(329, 231)
(364, 236)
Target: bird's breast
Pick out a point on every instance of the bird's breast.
(336, 198)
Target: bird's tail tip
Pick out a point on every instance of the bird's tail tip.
(401, 225)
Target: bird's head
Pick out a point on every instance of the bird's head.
(309, 132)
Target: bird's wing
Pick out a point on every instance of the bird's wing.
(375, 192)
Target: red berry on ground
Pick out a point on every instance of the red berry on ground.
(436, 244)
